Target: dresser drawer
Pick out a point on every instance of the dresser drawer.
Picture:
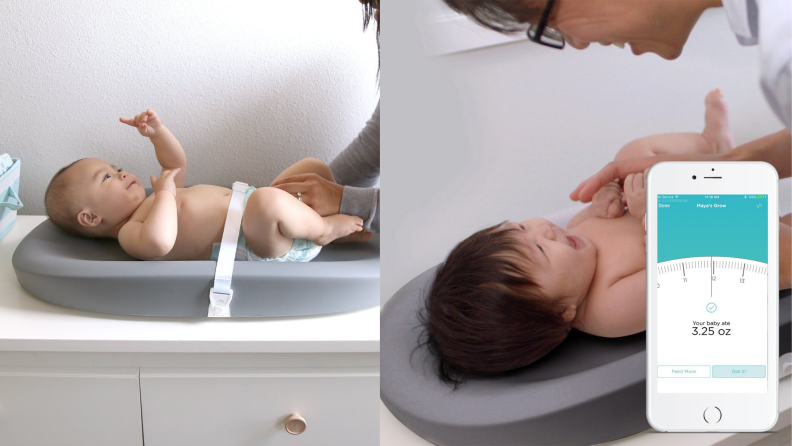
(65, 406)
(242, 407)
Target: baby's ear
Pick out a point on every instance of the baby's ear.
(569, 314)
(88, 219)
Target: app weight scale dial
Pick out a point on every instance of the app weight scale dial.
(717, 280)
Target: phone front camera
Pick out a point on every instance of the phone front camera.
(694, 177)
(713, 169)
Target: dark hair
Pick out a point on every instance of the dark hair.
(60, 206)
(370, 8)
(504, 16)
(484, 314)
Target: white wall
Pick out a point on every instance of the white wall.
(247, 86)
(507, 132)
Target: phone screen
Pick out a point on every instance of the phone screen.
(712, 286)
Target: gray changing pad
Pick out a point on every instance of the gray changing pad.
(97, 275)
(587, 391)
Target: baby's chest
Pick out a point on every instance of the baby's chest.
(620, 246)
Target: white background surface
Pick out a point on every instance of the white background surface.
(248, 87)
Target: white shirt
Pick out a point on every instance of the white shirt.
(768, 23)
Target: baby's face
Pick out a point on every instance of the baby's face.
(564, 264)
(105, 192)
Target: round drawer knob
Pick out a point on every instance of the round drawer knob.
(295, 424)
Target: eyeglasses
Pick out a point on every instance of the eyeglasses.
(544, 35)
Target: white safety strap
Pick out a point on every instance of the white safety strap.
(220, 294)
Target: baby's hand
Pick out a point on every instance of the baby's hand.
(165, 182)
(607, 202)
(635, 194)
(147, 123)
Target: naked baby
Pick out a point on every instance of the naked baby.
(509, 294)
(93, 198)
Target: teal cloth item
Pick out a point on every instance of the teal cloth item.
(9, 196)
(5, 163)
(302, 250)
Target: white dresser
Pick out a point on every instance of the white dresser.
(71, 377)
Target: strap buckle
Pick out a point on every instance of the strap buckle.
(220, 303)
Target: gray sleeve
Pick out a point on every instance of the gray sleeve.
(363, 202)
(358, 168)
(359, 164)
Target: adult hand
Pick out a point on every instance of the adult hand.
(618, 171)
(322, 195)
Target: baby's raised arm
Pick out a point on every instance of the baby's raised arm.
(170, 153)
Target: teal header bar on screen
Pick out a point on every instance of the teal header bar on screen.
(712, 225)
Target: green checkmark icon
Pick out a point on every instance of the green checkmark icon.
(711, 307)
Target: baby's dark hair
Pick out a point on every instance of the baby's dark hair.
(484, 314)
(60, 206)
(503, 16)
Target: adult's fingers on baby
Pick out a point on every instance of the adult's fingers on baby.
(574, 194)
(292, 188)
(615, 169)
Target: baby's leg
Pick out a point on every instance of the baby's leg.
(717, 131)
(716, 137)
(274, 218)
(664, 144)
(306, 165)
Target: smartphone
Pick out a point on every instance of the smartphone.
(712, 296)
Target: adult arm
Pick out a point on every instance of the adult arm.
(775, 149)
(358, 169)
(767, 24)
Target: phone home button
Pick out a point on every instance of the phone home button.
(712, 415)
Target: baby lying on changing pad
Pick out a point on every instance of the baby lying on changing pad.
(93, 198)
(509, 294)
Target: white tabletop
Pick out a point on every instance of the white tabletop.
(29, 324)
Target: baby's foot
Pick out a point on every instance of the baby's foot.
(337, 226)
(716, 122)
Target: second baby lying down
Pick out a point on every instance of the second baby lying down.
(93, 198)
(509, 294)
